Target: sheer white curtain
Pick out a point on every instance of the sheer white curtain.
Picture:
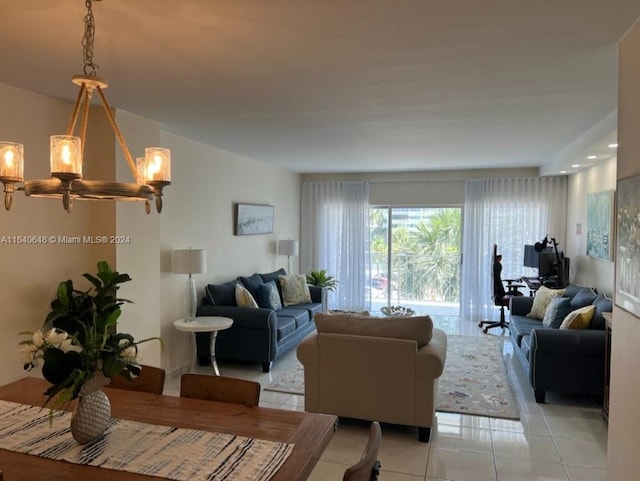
(510, 213)
(335, 236)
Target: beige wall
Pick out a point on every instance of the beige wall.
(139, 253)
(199, 213)
(623, 462)
(588, 270)
(31, 272)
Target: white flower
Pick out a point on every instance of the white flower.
(61, 340)
(66, 346)
(37, 338)
(128, 351)
(56, 338)
(28, 354)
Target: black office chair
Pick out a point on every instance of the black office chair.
(501, 298)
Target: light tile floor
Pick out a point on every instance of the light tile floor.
(563, 439)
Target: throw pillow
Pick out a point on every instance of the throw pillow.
(541, 301)
(579, 319)
(244, 297)
(295, 289)
(603, 304)
(557, 310)
(222, 294)
(583, 297)
(252, 283)
(268, 296)
(273, 276)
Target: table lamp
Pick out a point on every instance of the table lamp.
(288, 247)
(189, 261)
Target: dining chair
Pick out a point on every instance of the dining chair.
(220, 388)
(151, 379)
(368, 468)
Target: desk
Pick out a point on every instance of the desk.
(210, 324)
(309, 432)
(512, 287)
(533, 283)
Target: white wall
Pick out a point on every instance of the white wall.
(623, 462)
(586, 270)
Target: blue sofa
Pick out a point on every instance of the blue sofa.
(568, 361)
(258, 335)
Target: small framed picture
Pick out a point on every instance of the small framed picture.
(254, 219)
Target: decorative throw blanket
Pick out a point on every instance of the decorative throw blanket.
(163, 451)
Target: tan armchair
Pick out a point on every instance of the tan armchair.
(377, 369)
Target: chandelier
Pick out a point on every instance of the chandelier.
(151, 172)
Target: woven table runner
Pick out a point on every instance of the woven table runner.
(167, 452)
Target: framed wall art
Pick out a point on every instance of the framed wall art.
(254, 219)
(600, 225)
(628, 245)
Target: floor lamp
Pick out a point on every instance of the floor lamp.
(189, 261)
(288, 247)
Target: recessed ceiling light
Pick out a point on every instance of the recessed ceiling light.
(575, 166)
(612, 146)
(591, 157)
(563, 171)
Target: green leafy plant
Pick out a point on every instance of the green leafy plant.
(320, 278)
(81, 341)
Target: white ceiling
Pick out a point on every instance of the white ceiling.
(342, 85)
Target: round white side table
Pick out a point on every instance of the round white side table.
(211, 324)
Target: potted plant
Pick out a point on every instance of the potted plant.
(320, 278)
(80, 350)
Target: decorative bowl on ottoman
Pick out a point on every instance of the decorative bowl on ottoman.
(397, 311)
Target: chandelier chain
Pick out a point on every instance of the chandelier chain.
(90, 68)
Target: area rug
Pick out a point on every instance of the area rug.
(474, 380)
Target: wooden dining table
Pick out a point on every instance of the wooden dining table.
(309, 432)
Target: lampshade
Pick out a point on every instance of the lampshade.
(288, 247)
(189, 261)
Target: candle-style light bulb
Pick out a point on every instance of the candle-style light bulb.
(8, 158)
(66, 154)
(158, 164)
(11, 161)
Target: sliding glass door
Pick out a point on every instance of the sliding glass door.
(415, 258)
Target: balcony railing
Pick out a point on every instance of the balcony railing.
(416, 280)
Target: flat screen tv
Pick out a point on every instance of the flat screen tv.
(531, 256)
(549, 269)
(547, 264)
